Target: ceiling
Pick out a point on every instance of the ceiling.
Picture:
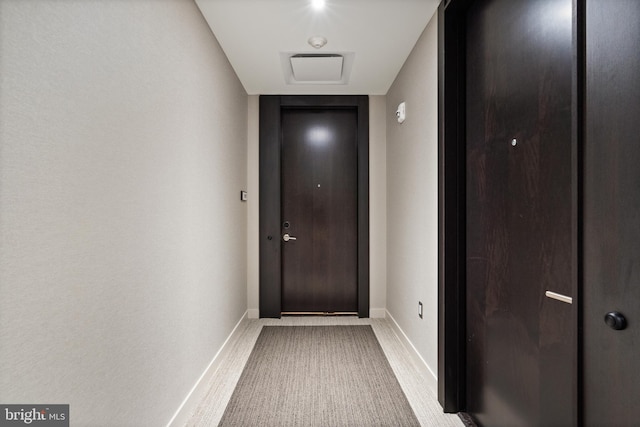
(259, 35)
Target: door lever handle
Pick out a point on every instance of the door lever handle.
(286, 237)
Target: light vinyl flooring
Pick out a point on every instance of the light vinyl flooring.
(414, 383)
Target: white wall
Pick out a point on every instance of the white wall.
(253, 204)
(377, 206)
(412, 198)
(123, 249)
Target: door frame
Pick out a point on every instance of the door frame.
(452, 201)
(270, 134)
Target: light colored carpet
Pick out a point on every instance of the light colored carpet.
(318, 376)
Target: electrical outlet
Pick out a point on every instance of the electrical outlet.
(420, 309)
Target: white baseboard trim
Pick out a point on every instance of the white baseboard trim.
(253, 313)
(377, 313)
(418, 361)
(190, 402)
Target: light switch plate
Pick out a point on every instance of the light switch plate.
(243, 196)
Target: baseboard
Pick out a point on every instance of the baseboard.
(418, 361)
(189, 404)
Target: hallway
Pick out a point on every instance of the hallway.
(130, 233)
(127, 256)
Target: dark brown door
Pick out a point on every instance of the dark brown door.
(611, 381)
(319, 210)
(520, 343)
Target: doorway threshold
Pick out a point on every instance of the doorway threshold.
(319, 313)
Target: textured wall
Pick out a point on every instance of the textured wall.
(122, 237)
(412, 197)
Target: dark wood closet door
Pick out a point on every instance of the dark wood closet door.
(520, 343)
(611, 383)
(319, 210)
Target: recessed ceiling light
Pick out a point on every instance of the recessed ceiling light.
(317, 4)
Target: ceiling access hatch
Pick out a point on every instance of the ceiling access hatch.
(317, 68)
(313, 68)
